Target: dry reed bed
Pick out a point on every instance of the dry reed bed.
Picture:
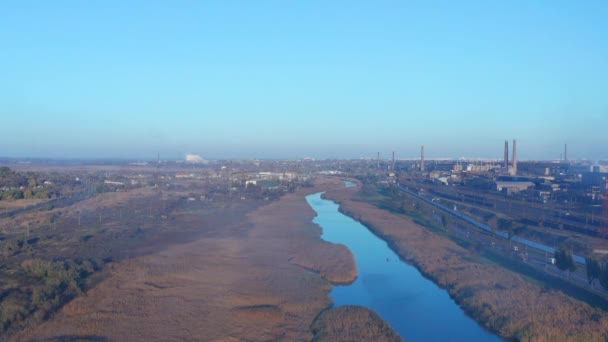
(352, 323)
(239, 286)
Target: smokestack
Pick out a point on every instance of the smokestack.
(393, 165)
(565, 152)
(514, 171)
(378, 161)
(507, 154)
(422, 158)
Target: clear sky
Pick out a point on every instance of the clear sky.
(288, 79)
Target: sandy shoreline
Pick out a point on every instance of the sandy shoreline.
(223, 288)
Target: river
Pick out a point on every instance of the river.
(414, 306)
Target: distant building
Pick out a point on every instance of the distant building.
(481, 167)
(442, 180)
(113, 183)
(276, 175)
(194, 158)
(513, 187)
(263, 183)
(596, 178)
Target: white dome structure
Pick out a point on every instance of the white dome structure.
(194, 158)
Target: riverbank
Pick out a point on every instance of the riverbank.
(499, 299)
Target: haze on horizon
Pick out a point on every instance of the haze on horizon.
(276, 79)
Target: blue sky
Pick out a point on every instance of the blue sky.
(288, 79)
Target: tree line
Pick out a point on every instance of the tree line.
(597, 272)
(29, 185)
(15, 185)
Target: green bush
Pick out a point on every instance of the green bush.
(12, 309)
(48, 284)
(10, 247)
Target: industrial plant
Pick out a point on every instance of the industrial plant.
(554, 201)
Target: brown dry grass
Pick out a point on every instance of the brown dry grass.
(20, 204)
(352, 323)
(501, 300)
(334, 262)
(33, 220)
(239, 286)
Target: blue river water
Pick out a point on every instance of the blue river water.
(414, 306)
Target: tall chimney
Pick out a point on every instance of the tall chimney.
(378, 161)
(422, 158)
(514, 172)
(393, 165)
(507, 154)
(565, 152)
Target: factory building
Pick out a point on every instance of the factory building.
(594, 179)
(513, 187)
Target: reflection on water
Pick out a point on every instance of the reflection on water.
(413, 305)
